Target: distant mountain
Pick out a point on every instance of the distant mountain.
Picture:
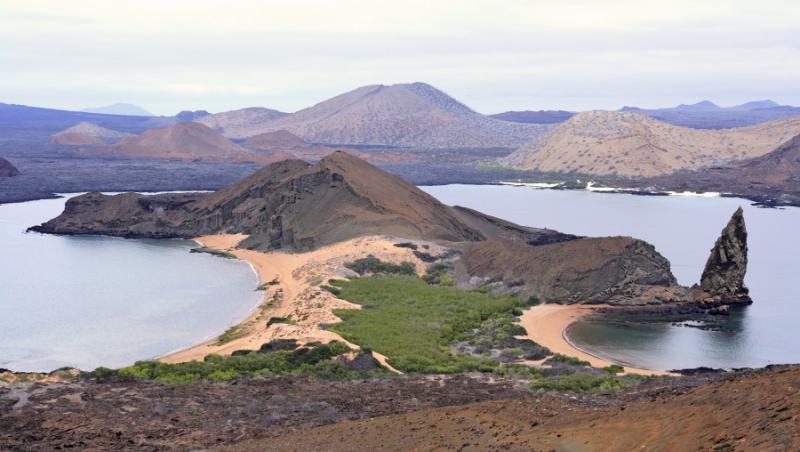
(119, 109)
(233, 123)
(188, 115)
(182, 141)
(704, 105)
(86, 133)
(535, 117)
(634, 145)
(708, 115)
(7, 169)
(409, 115)
(25, 129)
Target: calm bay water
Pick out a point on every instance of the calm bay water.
(683, 229)
(101, 301)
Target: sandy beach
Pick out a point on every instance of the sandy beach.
(293, 292)
(547, 323)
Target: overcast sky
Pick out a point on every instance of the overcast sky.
(168, 55)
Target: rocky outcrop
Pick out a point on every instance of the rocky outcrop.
(723, 276)
(7, 169)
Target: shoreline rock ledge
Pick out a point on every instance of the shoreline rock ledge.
(723, 275)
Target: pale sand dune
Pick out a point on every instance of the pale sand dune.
(298, 276)
(546, 324)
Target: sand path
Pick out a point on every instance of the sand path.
(547, 323)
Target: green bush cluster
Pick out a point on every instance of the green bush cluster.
(375, 266)
(439, 274)
(213, 252)
(499, 332)
(559, 358)
(589, 383)
(316, 361)
(414, 324)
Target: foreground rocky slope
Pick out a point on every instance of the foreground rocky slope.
(634, 145)
(747, 410)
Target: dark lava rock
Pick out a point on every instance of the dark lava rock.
(723, 275)
(7, 169)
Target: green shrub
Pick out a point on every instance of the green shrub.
(230, 334)
(585, 383)
(278, 319)
(614, 369)
(559, 358)
(213, 252)
(315, 360)
(375, 266)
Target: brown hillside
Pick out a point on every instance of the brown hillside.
(76, 139)
(631, 144)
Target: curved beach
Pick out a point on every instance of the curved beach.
(546, 324)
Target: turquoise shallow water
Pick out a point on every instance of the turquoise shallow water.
(683, 229)
(100, 301)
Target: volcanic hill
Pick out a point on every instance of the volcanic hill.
(406, 115)
(634, 145)
(86, 133)
(182, 141)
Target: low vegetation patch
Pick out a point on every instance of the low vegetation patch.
(564, 359)
(582, 382)
(416, 324)
(373, 265)
(276, 319)
(496, 338)
(218, 253)
(234, 332)
(318, 360)
(439, 274)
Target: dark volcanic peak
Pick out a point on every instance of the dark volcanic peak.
(7, 169)
(724, 272)
(404, 115)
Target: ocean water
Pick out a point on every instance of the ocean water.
(100, 301)
(683, 229)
